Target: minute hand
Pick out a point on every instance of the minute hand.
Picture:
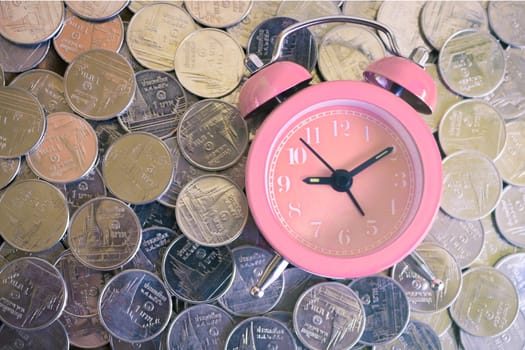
(370, 161)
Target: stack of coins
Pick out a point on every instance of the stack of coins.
(123, 220)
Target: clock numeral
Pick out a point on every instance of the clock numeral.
(341, 127)
(371, 228)
(294, 210)
(317, 227)
(400, 179)
(297, 155)
(344, 236)
(283, 182)
(312, 135)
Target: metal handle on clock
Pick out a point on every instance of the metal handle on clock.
(272, 272)
(280, 40)
(422, 267)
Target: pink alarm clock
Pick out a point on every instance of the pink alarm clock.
(343, 178)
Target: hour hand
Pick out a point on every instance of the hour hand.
(318, 180)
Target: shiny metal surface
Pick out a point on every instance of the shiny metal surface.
(195, 273)
(68, 151)
(23, 123)
(137, 168)
(203, 325)
(135, 306)
(211, 210)
(488, 302)
(33, 294)
(104, 234)
(33, 215)
(260, 332)
(212, 135)
(329, 315)
(99, 84)
(209, 14)
(30, 22)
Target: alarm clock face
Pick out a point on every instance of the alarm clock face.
(339, 179)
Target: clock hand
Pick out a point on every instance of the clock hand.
(317, 155)
(370, 161)
(347, 189)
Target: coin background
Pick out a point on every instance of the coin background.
(16, 60)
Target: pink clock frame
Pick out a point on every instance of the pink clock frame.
(333, 266)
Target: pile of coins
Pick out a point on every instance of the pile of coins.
(122, 152)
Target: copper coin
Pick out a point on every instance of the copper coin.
(69, 149)
(79, 35)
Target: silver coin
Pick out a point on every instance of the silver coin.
(137, 168)
(96, 10)
(506, 20)
(196, 273)
(79, 192)
(474, 125)
(512, 338)
(8, 170)
(260, 332)
(210, 14)
(104, 233)
(304, 10)
(250, 262)
(472, 62)
(33, 215)
(209, 63)
(509, 215)
(203, 326)
(83, 285)
(157, 106)
(463, 239)
(509, 96)
(286, 317)
(211, 210)
(33, 294)
(329, 315)
(407, 32)
(50, 255)
(346, 51)
(153, 344)
(511, 163)
(155, 214)
(154, 46)
(495, 246)
(441, 19)
(135, 306)
(296, 281)
(300, 47)
(20, 58)
(421, 296)
(488, 302)
(51, 337)
(136, 5)
(260, 11)
(99, 84)
(212, 135)
(513, 266)
(23, 123)
(47, 86)
(439, 321)
(183, 172)
(155, 241)
(471, 185)
(387, 311)
(417, 335)
(84, 332)
(2, 76)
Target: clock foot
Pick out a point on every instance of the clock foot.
(271, 273)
